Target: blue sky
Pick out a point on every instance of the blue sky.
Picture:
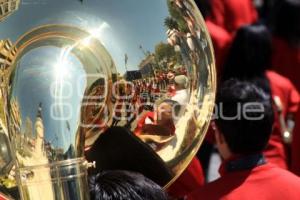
(128, 24)
(121, 26)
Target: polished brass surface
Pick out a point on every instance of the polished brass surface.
(7, 8)
(76, 68)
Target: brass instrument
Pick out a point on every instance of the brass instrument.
(70, 69)
(286, 126)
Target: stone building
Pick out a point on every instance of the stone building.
(7, 7)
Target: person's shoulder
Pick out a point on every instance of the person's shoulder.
(274, 75)
(217, 32)
(285, 174)
(278, 79)
(282, 176)
(208, 190)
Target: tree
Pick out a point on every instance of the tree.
(170, 23)
(177, 16)
(164, 51)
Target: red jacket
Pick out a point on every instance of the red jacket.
(191, 179)
(2, 197)
(264, 182)
(286, 61)
(221, 40)
(286, 91)
(295, 151)
(232, 14)
(150, 117)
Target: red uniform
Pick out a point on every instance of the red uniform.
(171, 90)
(118, 108)
(285, 90)
(286, 61)
(2, 197)
(295, 161)
(190, 180)
(232, 14)
(149, 118)
(261, 182)
(142, 121)
(221, 40)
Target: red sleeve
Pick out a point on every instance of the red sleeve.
(232, 14)
(141, 122)
(254, 13)
(190, 180)
(221, 40)
(218, 13)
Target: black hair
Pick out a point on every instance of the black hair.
(204, 7)
(119, 149)
(250, 132)
(124, 185)
(286, 21)
(250, 53)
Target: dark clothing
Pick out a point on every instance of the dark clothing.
(286, 61)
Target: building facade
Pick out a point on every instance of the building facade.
(7, 53)
(7, 7)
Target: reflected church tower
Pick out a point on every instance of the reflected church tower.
(39, 130)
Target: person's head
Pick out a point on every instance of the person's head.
(250, 53)
(286, 21)
(166, 110)
(244, 119)
(120, 185)
(181, 82)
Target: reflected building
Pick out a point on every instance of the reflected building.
(36, 155)
(7, 7)
(147, 66)
(29, 134)
(133, 75)
(7, 56)
(39, 129)
(15, 115)
(7, 53)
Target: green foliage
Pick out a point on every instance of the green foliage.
(177, 17)
(164, 51)
(170, 23)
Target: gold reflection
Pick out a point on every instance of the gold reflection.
(65, 86)
(8, 7)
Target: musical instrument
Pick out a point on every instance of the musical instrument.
(70, 69)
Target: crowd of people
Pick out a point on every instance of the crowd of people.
(257, 54)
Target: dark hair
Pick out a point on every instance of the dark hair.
(204, 7)
(250, 53)
(119, 149)
(286, 22)
(244, 135)
(121, 185)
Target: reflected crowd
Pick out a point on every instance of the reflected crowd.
(166, 103)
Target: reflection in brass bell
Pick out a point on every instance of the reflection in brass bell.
(78, 68)
(6, 161)
(8, 7)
